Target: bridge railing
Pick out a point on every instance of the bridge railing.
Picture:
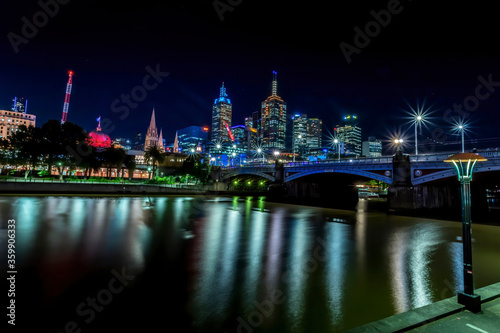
(438, 157)
(442, 156)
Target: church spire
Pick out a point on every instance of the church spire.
(176, 143)
(152, 133)
(160, 141)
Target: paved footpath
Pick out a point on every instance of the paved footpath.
(487, 321)
(444, 316)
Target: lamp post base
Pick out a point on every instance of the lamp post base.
(471, 302)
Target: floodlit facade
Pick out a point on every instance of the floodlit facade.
(10, 120)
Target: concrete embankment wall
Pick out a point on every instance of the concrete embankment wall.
(82, 188)
(131, 189)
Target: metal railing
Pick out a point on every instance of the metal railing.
(369, 160)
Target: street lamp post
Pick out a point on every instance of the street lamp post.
(218, 146)
(462, 129)
(276, 154)
(464, 163)
(418, 119)
(336, 141)
(295, 146)
(399, 143)
(260, 151)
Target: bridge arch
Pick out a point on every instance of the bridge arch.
(367, 174)
(248, 172)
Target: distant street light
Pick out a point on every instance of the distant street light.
(276, 154)
(398, 143)
(464, 163)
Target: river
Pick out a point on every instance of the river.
(229, 264)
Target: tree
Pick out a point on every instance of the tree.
(26, 142)
(64, 145)
(113, 158)
(155, 155)
(130, 165)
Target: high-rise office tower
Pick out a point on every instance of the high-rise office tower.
(192, 137)
(221, 117)
(299, 134)
(349, 133)
(273, 120)
(314, 133)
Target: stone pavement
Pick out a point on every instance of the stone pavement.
(444, 316)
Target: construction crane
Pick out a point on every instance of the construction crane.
(66, 98)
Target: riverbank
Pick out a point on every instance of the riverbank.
(58, 188)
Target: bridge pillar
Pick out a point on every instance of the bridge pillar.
(400, 192)
(440, 199)
(278, 190)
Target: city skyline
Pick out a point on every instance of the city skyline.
(187, 53)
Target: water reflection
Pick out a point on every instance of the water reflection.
(410, 250)
(338, 250)
(254, 257)
(245, 248)
(298, 271)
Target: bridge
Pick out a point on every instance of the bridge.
(424, 168)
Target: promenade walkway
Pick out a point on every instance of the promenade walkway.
(444, 316)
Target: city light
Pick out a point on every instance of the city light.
(460, 127)
(417, 116)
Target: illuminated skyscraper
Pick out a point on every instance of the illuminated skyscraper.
(349, 133)
(306, 134)
(299, 134)
(273, 123)
(221, 117)
(314, 133)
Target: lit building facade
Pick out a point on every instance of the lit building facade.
(222, 110)
(273, 120)
(314, 133)
(192, 137)
(349, 133)
(306, 134)
(240, 134)
(10, 120)
(372, 147)
(299, 134)
(97, 138)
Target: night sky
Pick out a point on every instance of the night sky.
(425, 52)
